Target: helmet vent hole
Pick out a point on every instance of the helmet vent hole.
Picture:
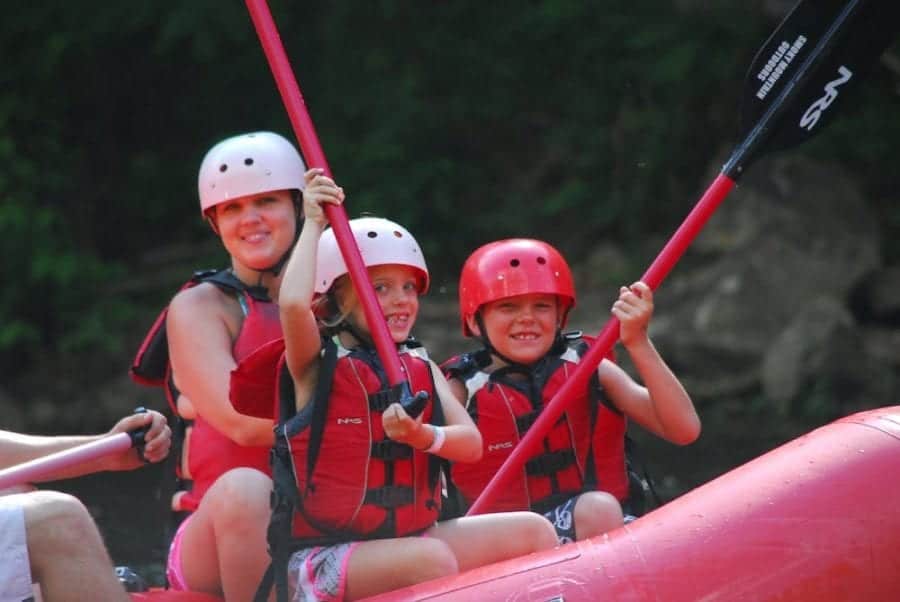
(541, 260)
(514, 263)
(223, 167)
(371, 234)
(248, 161)
(398, 234)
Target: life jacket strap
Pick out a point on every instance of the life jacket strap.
(389, 450)
(550, 463)
(525, 421)
(381, 400)
(390, 496)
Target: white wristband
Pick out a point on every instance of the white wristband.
(439, 437)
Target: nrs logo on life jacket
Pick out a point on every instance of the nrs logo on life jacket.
(495, 446)
(349, 420)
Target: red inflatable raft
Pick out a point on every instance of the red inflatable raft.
(817, 520)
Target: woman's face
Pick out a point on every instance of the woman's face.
(522, 328)
(397, 290)
(257, 230)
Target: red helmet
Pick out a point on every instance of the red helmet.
(516, 266)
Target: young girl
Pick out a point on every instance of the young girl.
(249, 189)
(367, 485)
(515, 296)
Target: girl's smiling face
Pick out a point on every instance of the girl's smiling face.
(521, 328)
(397, 290)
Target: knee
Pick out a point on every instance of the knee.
(239, 496)
(436, 559)
(596, 513)
(539, 530)
(57, 523)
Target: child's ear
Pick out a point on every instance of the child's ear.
(472, 323)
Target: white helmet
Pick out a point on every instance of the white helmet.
(380, 242)
(248, 164)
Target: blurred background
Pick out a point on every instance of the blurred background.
(594, 126)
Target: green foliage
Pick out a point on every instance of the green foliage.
(466, 121)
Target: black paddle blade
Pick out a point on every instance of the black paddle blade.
(804, 71)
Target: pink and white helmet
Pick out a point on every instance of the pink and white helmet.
(248, 164)
(380, 242)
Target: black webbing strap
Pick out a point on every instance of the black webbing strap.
(320, 405)
(550, 463)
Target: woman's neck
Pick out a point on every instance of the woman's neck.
(251, 277)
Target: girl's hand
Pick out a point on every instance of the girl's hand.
(319, 189)
(402, 428)
(633, 309)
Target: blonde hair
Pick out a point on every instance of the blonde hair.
(327, 307)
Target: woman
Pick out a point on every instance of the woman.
(249, 189)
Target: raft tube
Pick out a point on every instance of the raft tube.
(164, 595)
(817, 519)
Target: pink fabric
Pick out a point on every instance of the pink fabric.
(173, 566)
(320, 574)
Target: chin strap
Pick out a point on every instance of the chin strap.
(560, 343)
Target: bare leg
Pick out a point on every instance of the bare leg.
(382, 565)
(67, 554)
(480, 540)
(596, 512)
(224, 550)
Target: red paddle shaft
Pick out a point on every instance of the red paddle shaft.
(654, 275)
(315, 157)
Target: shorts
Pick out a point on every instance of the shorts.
(174, 572)
(320, 574)
(563, 519)
(15, 568)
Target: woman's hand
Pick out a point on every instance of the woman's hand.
(403, 428)
(157, 440)
(633, 309)
(319, 189)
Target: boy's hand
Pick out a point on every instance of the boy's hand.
(633, 309)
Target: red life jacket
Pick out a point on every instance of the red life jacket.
(210, 453)
(345, 479)
(584, 450)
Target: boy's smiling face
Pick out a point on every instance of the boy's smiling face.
(521, 328)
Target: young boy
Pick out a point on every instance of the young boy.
(515, 297)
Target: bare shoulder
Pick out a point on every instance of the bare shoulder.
(204, 307)
(203, 299)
